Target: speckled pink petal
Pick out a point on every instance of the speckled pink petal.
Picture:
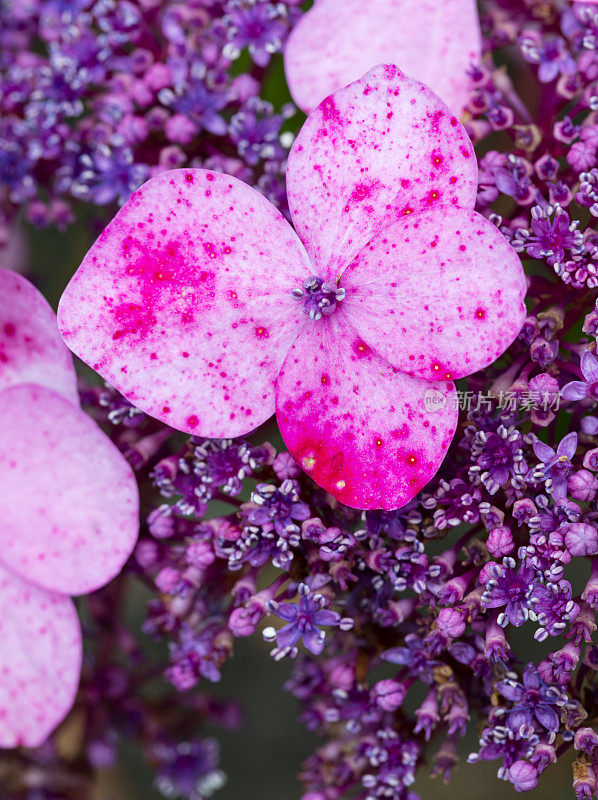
(337, 41)
(69, 500)
(384, 147)
(40, 661)
(439, 294)
(184, 305)
(31, 350)
(370, 435)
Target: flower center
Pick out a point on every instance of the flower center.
(318, 297)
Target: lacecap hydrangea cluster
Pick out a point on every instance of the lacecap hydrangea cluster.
(374, 607)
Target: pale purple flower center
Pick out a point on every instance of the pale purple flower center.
(318, 297)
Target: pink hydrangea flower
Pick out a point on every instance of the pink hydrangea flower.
(204, 307)
(69, 511)
(337, 41)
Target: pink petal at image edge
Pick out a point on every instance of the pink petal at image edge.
(40, 661)
(70, 503)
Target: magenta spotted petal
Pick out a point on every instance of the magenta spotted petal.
(384, 147)
(31, 350)
(337, 41)
(369, 434)
(68, 505)
(40, 659)
(183, 302)
(454, 314)
(199, 294)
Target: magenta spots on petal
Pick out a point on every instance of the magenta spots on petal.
(360, 348)
(330, 112)
(31, 350)
(364, 190)
(158, 274)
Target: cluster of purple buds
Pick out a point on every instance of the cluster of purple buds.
(95, 97)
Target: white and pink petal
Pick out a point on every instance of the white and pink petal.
(31, 349)
(184, 305)
(379, 149)
(370, 435)
(440, 294)
(337, 41)
(69, 503)
(40, 661)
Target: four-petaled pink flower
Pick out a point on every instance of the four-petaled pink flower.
(337, 41)
(68, 511)
(202, 305)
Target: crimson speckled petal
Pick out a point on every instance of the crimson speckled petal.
(439, 294)
(31, 349)
(337, 41)
(183, 303)
(386, 146)
(369, 434)
(40, 661)
(69, 500)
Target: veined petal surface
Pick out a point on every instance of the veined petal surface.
(337, 41)
(381, 148)
(40, 660)
(183, 303)
(31, 349)
(370, 435)
(438, 294)
(69, 503)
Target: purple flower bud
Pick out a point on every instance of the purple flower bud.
(543, 352)
(161, 524)
(147, 553)
(200, 554)
(486, 573)
(285, 467)
(590, 324)
(586, 739)
(500, 542)
(342, 676)
(180, 129)
(580, 538)
(167, 580)
(547, 167)
(589, 425)
(582, 485)
(523, 776)
(427, 715)
(524, 510)
(157, 77)
(584, 780)
(546, 671)
(543, 755)
(590, 460)
(243, 622)
(451, 622)
(170, 157)
(545, 386)
(388, 694)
